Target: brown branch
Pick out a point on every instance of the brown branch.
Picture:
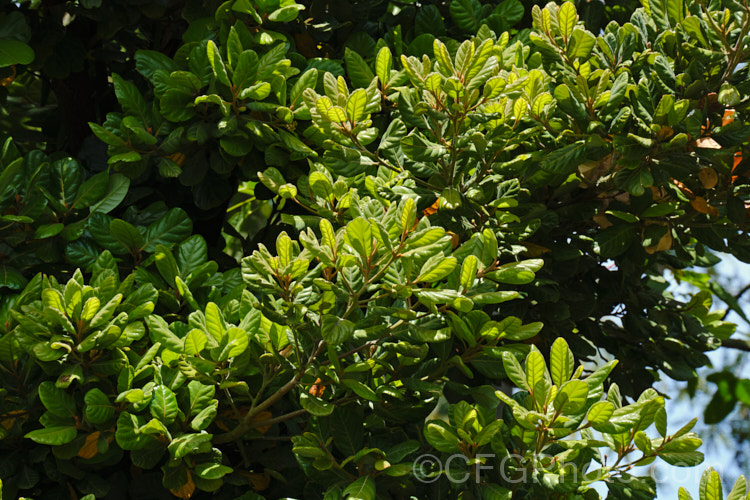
(742, 345)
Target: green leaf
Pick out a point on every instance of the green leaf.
(11, 278)
(517, 273)
(581, 44)
(117, 188)
(205, 417)
(106, 311)
(195, 341)
(336, 330)
(48, 230)
(315, 406)
(201, 397)
(307, 80)
(215, 322)
(99, 409)
(536, 368)
(346, 429)
(710, 485)
(567, 19)
(383, 65)
(336, 114)
(171, 228)
(188, 444)
(53, 436)
(66, 177)
(441, 436)
(148, 61)
(286, 13)
(9, 173)
(361, 489)
(494, 491)
(358, 70)
(600, 412)
(130, 98)
(321, 186)
(436, 268)
(166, 264)
(92, 190)
(159, 332)
(469, 271)
(561, 362)
(58, 402)
(177, 105)
(163, 405)
(356, 105)
(514, 371)
(359, 236)
(738, 490)
(128, 235)
(660, 421)
(571, 396)
(408, 215)
(211, 470)
(614, 240)
(217, 63)
(14, 52)
(417, 148)
(466, 14)
(684, 459)
(361, 390)
(235, 343)
(565, 160)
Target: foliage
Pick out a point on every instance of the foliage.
(710, 487)
(555, 150)
(420, 208)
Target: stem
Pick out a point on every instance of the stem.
(247, 422)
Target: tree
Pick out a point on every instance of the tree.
(453, 198)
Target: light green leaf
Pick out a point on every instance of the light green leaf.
(195, 341)
(469, 271)
(738, 490)
(215, 322)
(561, 362)
(600, 412)
(536, 368)
(514, 371)
(441, 436)
(437, 268)
(53, 436)
(163, 405)
(359, 236)
(571, 396)
(236, 343)
(217, 63)
(356, 105)
(336, 114)
(567, 19)
(383, 65)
